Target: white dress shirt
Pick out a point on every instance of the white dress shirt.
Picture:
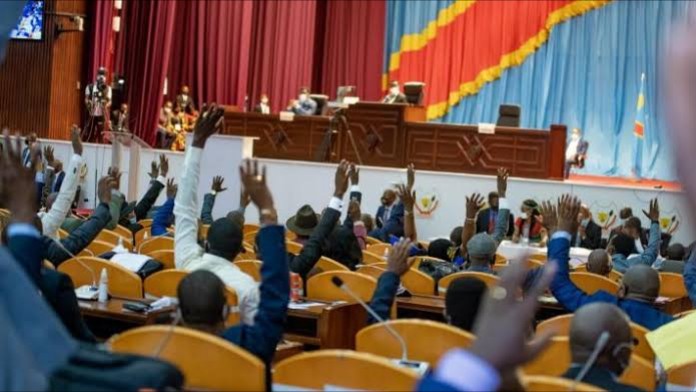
(53, 219)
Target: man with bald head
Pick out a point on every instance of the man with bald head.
(603, 328)
(389, 218)
(639, 287)
(599, 262)
(589, 235)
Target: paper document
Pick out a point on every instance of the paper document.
(287, 116)
(303, 305)
(675, 343)
(131, 261)
(486, 128)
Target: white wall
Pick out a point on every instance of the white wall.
(295, 183)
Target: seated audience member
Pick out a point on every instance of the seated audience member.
(303, 223)
(264, 107)
(589, 234)
(624, 215)
(202, 299)
(640, 285)
(344, 242)
(634, 229)
(590, 323)
(576, 151)
(462, 301)
(488, 217)
(185, 102)
(529, 225)
(224, 236)
(674, 262)
(303, 105)
(120, 119)
(165, 127)
(389, 218)
(369, 222)
(58, 210)
(456, 236)
(623, 246)
(164, 216)
(599, 262)
(24, 241)
(395, 95)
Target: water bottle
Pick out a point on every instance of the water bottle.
(525, 235)
(103, 286)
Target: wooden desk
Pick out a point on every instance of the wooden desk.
(674, 305)
(326, 326)
(110, 318)
(287, 349)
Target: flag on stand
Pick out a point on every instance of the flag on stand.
(639, 130)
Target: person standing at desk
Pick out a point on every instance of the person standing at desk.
(395, 95)
(263, 107)
(304, 105)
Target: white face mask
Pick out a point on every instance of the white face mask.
(523, 215)
(394, 91)
(303, 97)
(575, 136)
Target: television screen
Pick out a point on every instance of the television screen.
(30, 26)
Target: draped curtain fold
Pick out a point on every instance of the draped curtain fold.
(353, 47)
(101, 35)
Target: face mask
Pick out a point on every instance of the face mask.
(575, 136)
(303, 97)
(264, 101)
(584, 222)
(394, 91)
(524, 215)
(132, 220)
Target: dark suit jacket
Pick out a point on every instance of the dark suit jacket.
(393, 226)
(313, 248)
(593, 237)
(401, 98)
(262, 338)
(601, 378)
(257, 109)
(79, 238)
(482, 223)
(58, 182)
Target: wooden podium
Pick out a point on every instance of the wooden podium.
(394, 135)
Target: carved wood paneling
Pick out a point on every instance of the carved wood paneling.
(377, 130)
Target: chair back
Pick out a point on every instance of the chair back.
(488, 279)
(156, 243)
(204, 359)
(500, 259)
(48, 264)
(419, 259)
(548, 383)
(379, 249)
(426, 340)
(615, 275)
(591, 283)
(165, 256)
(141, 234)
(145, 222)
(124, 232)
(343, 368)
(672, 285)
(640, 373)
(250, 237)
(643, 348)
(290, 236)
(62, 234)
(203, 232)
(293, 247)
(250, 267)
(539, 257)
(417, 282)
(321, 287)
(246, 256)
(96, 248)
(553, 361)
(111, 237)
(372, 240)
(250, 227)
(561, 324)
(164, 283)
(122, 282)
(326, 264)
(371, 258)
(371, 270)
(684, 374)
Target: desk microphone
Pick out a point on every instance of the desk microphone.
(94, 286)
(420, 367)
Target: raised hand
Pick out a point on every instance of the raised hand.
(76, 139)
(410, 176)
(217, 184)
(154, 170)
(568, 210)
(172, 189)
(163, 165)
(354, 174)
(407, 196)
(17, 186)
(48, 154)
(503, 320)
(502, 181)
(654, 213)
(244, 199)
(254, 183)
(549, 214)
(115, 175)
(354, 211)
(474, 204)
(209, 122)
(104, 187)
(341, 179)
(397, 261)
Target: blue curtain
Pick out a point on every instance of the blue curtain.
(588, 75)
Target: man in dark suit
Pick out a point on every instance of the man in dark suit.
(395, 95)
(593, 324)
(589, 235)
(185, 102)
(120, 118)
(576, 151)
(264, 106)
(389, 217)
(487, 218)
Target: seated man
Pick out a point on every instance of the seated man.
(164, 216)
(165, 127)
(634, 229)
(599, 262)
(389, 217)
(303, 105)
(623, 246)
(224, 236)
(576, 151)
(395, 95)
(202, 294)
(624, 215)
(488, 217)
(675, 256)
(640, 285)
(589, 325)
(589, 234)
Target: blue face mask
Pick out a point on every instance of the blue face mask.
(585, 222)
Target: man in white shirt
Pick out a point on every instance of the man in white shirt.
(224, 236)
(98, 102)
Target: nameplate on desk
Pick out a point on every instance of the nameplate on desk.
(486, 128)
(286, 116)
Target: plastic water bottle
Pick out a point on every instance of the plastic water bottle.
(525, 235)
(119, 247)
(103, 287)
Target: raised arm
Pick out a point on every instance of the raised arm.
(387, 285)
(501, 223)
(209, 200)
(651, 252)
(163, 217)
(186, 245)
(56, 215)
(474, 203)
(408, 198)
(156, 185)
(117, 198)
(262, 338)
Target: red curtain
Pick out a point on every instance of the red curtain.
(281, 58)
(354, 47)
(101, 34)
(145, 49)
(210, 54)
